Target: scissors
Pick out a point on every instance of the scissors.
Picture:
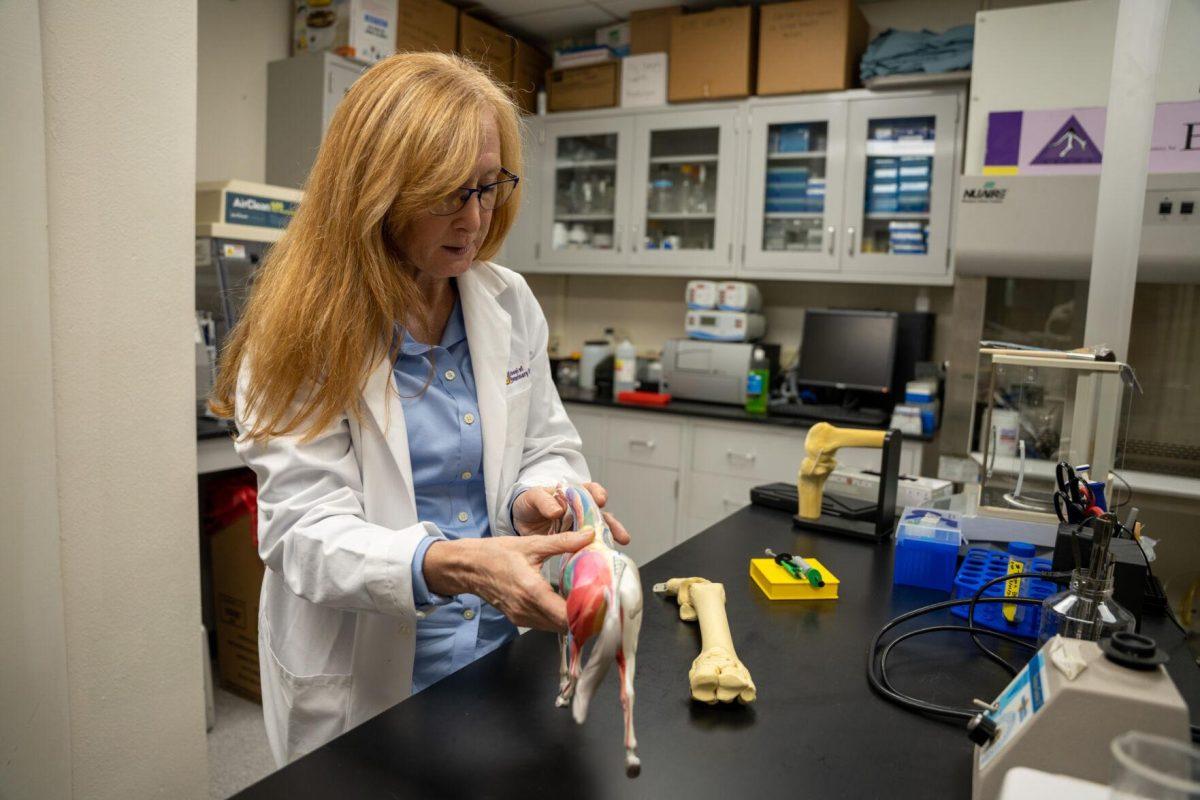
(1074, 501)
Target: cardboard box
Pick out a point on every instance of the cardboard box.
(237, 574)
(650, 30)
(712, 55)
(424, 25)
(615, 37)
(644, 80)
(487, 46)
(529, 75)
(595, 86)
(810, 46)
(364, 30)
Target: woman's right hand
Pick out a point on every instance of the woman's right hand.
(505, 572)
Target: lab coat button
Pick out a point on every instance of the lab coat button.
(469, 614)
(462, 516)
(450, 375)
(466, 476)
(469, 418)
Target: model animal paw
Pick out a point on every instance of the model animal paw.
(717, 676)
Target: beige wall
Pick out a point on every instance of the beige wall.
(34, 720)
(651, 310)
(237, 39)
(99, 486)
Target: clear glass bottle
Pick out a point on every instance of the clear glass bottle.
(1086, 610)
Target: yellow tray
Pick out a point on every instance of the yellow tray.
(777, 584)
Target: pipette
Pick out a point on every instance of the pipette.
(798, 568)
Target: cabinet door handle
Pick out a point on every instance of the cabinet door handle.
(634, 245)
(646, 443)
(832, 231)
(850, 241)
(732, 456)
(617, 238)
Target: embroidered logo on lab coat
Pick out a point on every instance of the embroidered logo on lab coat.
(514, 375)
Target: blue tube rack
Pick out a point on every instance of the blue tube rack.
(980, 566)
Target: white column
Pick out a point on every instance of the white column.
(100, 426)
(1130, 122)
(35, 729)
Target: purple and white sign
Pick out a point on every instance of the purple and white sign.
(1070, 141)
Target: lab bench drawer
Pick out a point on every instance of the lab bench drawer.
(766, 456)
(644, 441)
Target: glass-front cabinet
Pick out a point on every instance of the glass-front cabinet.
(898, 182)
(585, 181)
(683, 202)
(794, 186)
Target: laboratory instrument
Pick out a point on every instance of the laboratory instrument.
(714, 372)
(604, 602)
(1066, 705)
(725, 326)
(739, 296)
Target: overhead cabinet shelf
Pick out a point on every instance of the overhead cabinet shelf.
(854, 186)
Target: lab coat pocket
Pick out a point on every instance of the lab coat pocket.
(313, 709)
(514, 436)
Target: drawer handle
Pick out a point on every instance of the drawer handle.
(646, 443)
(732, 456)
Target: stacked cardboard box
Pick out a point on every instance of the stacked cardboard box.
(810, 46)
(712, 55)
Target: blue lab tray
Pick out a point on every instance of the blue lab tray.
(980, 566)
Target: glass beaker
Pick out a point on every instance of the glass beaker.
(1150, 767)
(1085, 611)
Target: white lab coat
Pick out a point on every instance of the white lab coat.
(337, 520)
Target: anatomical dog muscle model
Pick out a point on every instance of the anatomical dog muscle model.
(604, 602)
(820, 446)
(716, 675)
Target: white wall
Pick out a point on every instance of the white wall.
(35, 754)
(651, 310)
(98, 406)
(237, 39)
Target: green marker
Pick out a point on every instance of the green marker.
(798, 568)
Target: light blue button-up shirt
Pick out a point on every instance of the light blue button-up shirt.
(445, 443)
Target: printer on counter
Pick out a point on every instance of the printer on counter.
(714, 372)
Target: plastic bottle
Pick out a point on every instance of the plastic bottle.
(624, 368)
(758, 382)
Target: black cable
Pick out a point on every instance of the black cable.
(992, 654)
(1116, 504)
(882, 686)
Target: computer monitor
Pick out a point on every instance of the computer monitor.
(848, 349)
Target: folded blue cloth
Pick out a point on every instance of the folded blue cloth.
(896, 52)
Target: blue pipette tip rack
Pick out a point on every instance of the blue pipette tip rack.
(980, 566)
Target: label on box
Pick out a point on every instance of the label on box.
(261, 212)
(1023, 698)
(644, 80)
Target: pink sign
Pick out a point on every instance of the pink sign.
(1070, 141)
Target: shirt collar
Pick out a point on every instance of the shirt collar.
(455, 332)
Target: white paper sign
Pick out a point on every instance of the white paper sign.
(644, 80)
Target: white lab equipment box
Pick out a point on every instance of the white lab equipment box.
(302, 94)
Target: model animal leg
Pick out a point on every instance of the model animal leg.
(630, 591)
(603, 652)
(820, 446)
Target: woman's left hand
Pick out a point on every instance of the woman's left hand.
(535, 511)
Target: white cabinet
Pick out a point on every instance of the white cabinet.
(797, 156)
(520, 247)
(585, 175)
(302, 94)
(849, 186)
(592, 427)
(685, 170)
(899, 179)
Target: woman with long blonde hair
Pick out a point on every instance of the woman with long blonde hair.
(393, 395)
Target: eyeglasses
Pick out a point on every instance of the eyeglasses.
(491, 196)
